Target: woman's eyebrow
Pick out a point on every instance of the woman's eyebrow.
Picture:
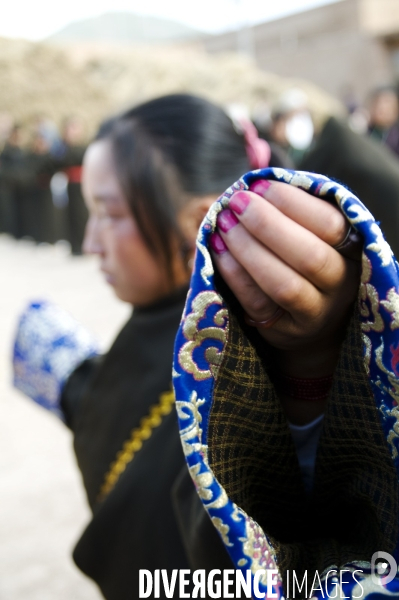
(105, 198)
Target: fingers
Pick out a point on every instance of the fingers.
(321, 218)
(288, 241)
(279, 254)
(254, 300)
(278, 281)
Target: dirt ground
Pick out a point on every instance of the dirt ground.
(42, 502)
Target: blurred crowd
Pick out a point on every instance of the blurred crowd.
(40, 166)
(289, 122)
(40, 177)
(360, 150)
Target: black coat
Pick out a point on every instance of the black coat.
(137, 525)
(367, 168)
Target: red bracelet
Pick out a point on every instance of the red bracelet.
(303, 389)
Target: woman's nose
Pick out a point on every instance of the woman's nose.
(92, 240)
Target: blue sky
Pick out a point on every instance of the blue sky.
(37, 19)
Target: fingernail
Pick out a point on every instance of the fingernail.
(260, 186)
(217, 244)
(239, 202)
(226, 220)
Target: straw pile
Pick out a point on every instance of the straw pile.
(94, 81)
(38, 80)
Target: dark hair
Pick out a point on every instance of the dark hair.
(167, 150)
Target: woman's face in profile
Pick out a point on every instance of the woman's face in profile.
(112, 233)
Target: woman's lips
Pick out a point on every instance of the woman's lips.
(108, 277)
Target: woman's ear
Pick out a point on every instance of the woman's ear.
(191, 216)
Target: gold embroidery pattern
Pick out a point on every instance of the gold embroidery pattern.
(367, 353)
(190, 411)
(191, 438)
(222, 529)
(394, 393)
(197, 336)
(380, 246)
(363, 215)
(326, 187)
(369, 299)
(302, 180)
(394, 432)
(299, 179)
(207, 270)
(209, 222)
(254, 543)
(366, 269)
(392, 306)
(282, 174)
(368, 292)
(136, 440)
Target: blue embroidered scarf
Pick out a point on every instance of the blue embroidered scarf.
(199, 352)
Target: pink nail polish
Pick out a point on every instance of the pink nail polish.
(239, 202)
(260, 186)
(217, 244)
(226, 220)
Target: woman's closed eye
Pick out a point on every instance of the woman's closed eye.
(109, 210)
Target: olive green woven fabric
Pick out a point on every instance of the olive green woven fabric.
(353, 507)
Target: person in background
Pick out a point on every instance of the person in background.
(384, 117)
(69, 156)
(6, 125)
(39, 215)
(369, 169)
(149, 178)
(292, 125)
(12, 179)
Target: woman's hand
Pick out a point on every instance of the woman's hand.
(279, 254)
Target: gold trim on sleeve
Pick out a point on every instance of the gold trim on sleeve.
(135, 442)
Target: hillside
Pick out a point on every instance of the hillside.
(124, 28)
(137, 74)
(37, 79)
(43, 79)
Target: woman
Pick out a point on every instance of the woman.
(149, 178)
